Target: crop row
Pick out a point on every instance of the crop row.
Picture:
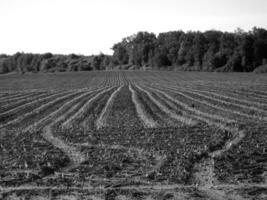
(147, 127)
(222, 108)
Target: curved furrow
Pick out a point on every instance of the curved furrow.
(29, 96)
(205, 115)
(64, 115)
(147, 120)
(236, 101)
(101, 121)
(33, 101)
(245, 110)
(245, 88)
(182, 119)
(61, 110)
(36, 100)
(216, 107)
(17, 97)
(178, 108)
(74, 155)
(68, 123)
(75, 108)
(87, 119)
(125, 80)
(39, 109)
(12, 105)
(8, 95)
(233, 91)
(121, 113)
(237, 108)
(69, 112)
(261, 92)
(194, 110)
(47, 123)
(3, 94)
(237, 136)
(156, 113)
(12, 113)
(256, 101)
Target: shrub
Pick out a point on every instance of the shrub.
(261, 69)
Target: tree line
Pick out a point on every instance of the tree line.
(202, 51)
(176, 50)
(28, 62)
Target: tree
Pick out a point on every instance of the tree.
(185, 54)
(198, 49)
(260, 45)
(121, 55)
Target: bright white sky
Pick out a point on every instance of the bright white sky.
(90, 26)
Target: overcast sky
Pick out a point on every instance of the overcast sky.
(90, 26)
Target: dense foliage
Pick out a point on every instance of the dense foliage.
(28, 62)
(200, 51)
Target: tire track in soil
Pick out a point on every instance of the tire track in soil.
(159, 159)
(75, 156)
(73, 153)
(131, 187)
(206, 166)
(204, 176)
